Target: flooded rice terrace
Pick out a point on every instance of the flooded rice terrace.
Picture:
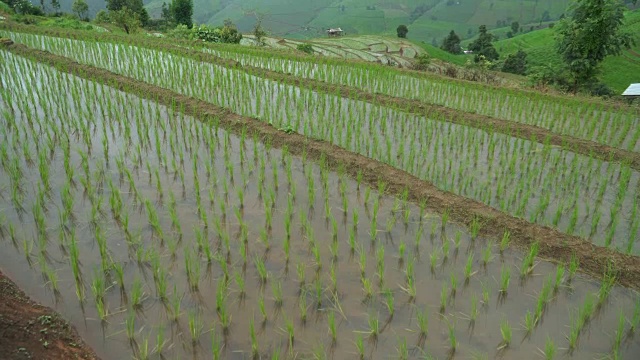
(160, 236)
(544, 184)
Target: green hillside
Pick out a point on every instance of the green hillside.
(427, 19)
(617, 71)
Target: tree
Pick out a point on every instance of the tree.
(515, 27)
(182, 12)
(589, 35)
(402, 31)
(80, 8)
(516, 63)
(55, 4)
(165, 14)
(259, 32)
(483, 46)
(135, 6)
(452, 43)
(125, 18)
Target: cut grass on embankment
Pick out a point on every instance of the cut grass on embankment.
(553, 244)
(487, 123)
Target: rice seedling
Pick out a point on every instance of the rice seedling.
(130, 325)
(136, 294)
(444, 294)
(331, 321)
(255, 349)
(195, 326)
(276, 288)
(216, 347)
(403, 351)
(506, 240)
(528, 261)
(505, 276)
(453, 342)
(573, 266)
(262, 307)
(261, 269)
(529, 322)
(468, 267)
(505, 330)
(374, 326)
(359, 346)
(549, 349)
(487, 254)
(423, 322)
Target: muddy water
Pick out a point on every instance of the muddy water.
(542, 184)
(83, 112)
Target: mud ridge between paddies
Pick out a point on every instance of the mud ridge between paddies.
(481, 122)
(32, 331)
(554, 245)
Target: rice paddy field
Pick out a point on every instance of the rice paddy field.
(163, 230)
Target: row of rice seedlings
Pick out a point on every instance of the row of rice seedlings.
(137, 291)
(559, 116)
(512, 203)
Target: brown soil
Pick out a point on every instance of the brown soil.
(32, 331)
(554, 245)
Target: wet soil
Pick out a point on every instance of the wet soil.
(554, 245)
(32, 331)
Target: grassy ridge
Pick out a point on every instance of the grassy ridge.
(617, 71)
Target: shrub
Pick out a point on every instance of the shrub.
(307, 48)
(102, 17)
(422, 62)
(24, 7)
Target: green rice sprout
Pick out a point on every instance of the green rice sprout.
(261, 269)
(443, 297)
(453, 342)
(255, 349)
(506, 240)
(423, 322)
(573, 266)
(505, 276)
(549, 349)
(195, 326)
(331, 320)
(403, 351)
(276, 288)
(302, 306)
(374, 325)
(505, 330)
(468, 267)
(474, 308)
(360, 344)
(130, 325)
(529, 322)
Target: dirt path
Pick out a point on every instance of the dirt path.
(32, 331)
(554, 245)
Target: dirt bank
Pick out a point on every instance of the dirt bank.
(32, 331)
(554, 244)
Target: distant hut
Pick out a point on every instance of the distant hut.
(334, 32)
(632, 93)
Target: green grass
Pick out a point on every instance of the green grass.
(306, 19)
(617, 71)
